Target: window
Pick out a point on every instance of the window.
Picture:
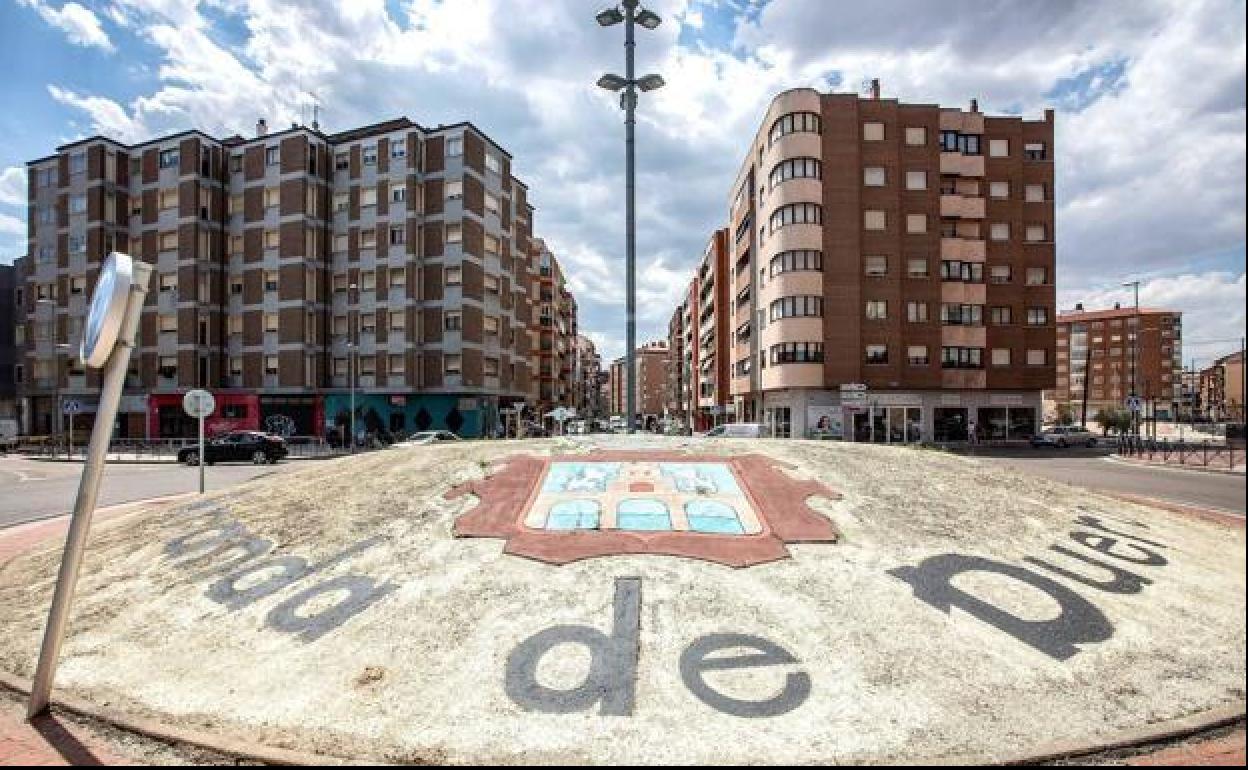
(451, 364)
(1037, 357)
(801, 306)
(78, 244)
(398, 148)
(797, 353)
(168, 366)
(1034, 151)
(1034, 193)
(168, 282)
(800, 259)
(454, 190)
(795, 168)
(874, 220)
(875, 266)
(999, 189)
(234, 326)
(270, 365)
(368, 238)
(491, 284)
(962, 358)
(47, 215)
(368, 322)
(1000, 274)
(270, 322)
(491, 204)
(1000, 356)
(999, 231)
(873, 176)
(340, 242)
(270, 239)
(454, 233)
(916, 312)
(966, 272)
(454, 146)
(368, 280)
(795, 122)
(1036, 233)
(78, 203)
(1037, 276)
(916, 136)
(169, 158)
(453, 320)
(916, 180)
(168, 199)
(1002, 315)
(873, 132)
(492, 163)
(877, 354)
(168, 241)
(916, 355)
(271, 156)
(877, 310)
(368, 196)
(490, 325)
(370, 155)
(398, 235)
(952, 141)
(398, 194)
(916, 224)
(398, 320)
(796, 214)
(916, 268)
(454, 276)
(342, 201)
(952, 314)
(490, 367)
(236, 286)
(998, 148)
(1037, 316)
(342, 161)
(272, 197)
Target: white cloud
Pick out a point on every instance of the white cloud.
(80, 25)
(1150, 121)
(12, 225)
(13, 186)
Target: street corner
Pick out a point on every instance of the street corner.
(930, 626)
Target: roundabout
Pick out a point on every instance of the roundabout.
(610, 600)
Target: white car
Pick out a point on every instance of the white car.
(1064, 436)
(735, 430)
(429, 437)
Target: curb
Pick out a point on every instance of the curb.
(1226, 518)
(1168, 466)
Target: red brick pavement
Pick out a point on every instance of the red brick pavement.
(50, 740)
(1222, 752)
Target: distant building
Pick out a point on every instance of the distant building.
(1221, 389)
(11, 302)
(651, 363)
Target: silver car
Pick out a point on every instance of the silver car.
(1064, 436)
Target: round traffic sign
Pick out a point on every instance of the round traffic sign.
(199, 403)
(108, 309)
(1134, 403)
(71, 406)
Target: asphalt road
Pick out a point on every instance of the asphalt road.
(1095, 470)
(32, 489)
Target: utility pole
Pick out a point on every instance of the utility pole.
(1087, 376)
(1135, 353)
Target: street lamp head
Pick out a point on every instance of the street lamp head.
(650, 83)
(612, 82)
(609, 17)
(648, 19)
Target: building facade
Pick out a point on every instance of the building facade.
(12, 331)
(1221, 389)
(892, 271)
(293, 268)
(1113, 353)
(651, 365)
(587, 380)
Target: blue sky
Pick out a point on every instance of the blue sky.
(1151, 112)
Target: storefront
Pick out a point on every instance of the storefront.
(392, 416)
(235, 411)
(291, 415)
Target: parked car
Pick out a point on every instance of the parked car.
(238, 446)
(735, 430)
(427, 437)
(1064, 436)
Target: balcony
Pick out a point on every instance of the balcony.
(963, 249)
(962, 206)
(961, 165)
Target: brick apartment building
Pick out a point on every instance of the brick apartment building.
(587, 380)
(651, 363)
(556, 333)
(10, 302)
(698, 373)
(1221, 389)
(288, 264)
(1098, 349)
(892, 271)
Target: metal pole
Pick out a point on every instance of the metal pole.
(202, 456)
(88, 489)
(1135, 354)
(630, 224)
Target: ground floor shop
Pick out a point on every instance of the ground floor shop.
(901, 417)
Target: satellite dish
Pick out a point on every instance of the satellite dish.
(108, 310)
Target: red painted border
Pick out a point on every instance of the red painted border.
(780, 501)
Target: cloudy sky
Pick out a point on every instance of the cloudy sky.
(1150, 100)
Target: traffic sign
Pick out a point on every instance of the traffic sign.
(199, 403)
(853, 387)
(71, 406)
(108, 309)
(1134, 403)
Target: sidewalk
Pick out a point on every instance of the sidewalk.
(51, 740)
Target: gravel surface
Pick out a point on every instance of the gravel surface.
(419, 674)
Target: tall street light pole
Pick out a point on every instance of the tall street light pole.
(631, 16)
(1135, 351)
(353, 351)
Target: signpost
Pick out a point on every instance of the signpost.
(108, 337)
(1134, 404)
(71, 407)
(199, 404)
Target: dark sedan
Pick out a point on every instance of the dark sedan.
(239, 446)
